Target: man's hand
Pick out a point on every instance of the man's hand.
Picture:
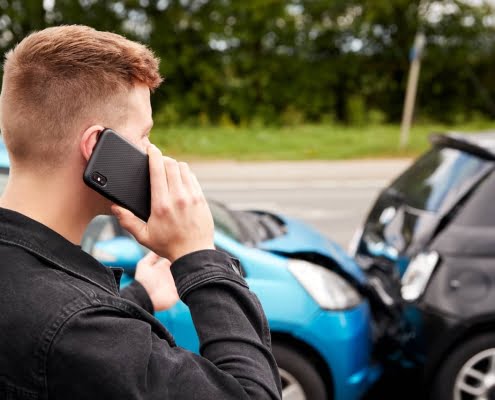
(180, 221)
(153, 272)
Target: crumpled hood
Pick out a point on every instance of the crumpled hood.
(300, 237)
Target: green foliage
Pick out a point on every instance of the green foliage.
(291, 116)
(356, 110)
(288, 62)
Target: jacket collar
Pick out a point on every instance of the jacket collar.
(19, 230)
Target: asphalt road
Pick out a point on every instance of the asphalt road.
(333, 196)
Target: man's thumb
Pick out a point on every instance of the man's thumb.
(129, 221)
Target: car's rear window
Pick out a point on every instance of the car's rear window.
(439, 173)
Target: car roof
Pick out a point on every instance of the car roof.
(481, 144)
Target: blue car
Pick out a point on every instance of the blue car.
(320, 324)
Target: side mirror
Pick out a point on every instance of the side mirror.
(121, 251)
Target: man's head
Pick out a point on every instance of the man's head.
(62, 85)
(60, 81)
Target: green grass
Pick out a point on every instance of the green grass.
(306, 142)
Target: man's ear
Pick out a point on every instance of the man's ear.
(89, 139)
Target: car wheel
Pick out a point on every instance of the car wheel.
(300, 380)
(469, 372)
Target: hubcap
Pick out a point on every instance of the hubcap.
(476, 379)
(291, 388)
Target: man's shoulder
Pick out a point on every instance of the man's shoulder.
(26, 276)
(39, 297)
(45, 294)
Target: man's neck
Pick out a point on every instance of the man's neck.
(59, 209)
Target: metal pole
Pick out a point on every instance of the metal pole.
(412, 85)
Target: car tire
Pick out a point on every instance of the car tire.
(300, 379)
(463, 370)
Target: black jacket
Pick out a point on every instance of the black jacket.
(67, 333)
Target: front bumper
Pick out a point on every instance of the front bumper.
(344, 340)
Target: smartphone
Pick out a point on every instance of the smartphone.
(119, 171)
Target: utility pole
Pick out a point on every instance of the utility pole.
(412, 84)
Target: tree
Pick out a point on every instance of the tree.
(286, 61)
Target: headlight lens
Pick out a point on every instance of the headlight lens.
(328, 289)
(417, 275)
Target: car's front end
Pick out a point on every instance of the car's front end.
(336, 318)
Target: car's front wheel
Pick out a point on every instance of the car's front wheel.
(300, 379)
(468, 373)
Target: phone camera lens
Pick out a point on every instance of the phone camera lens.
(99, 179)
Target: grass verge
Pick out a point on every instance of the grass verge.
(305, 142)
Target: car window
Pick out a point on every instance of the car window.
(226, 222)
(433, 177)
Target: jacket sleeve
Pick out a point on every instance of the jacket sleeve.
(136, 293)
(102, 353)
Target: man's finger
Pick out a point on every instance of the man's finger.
(173, 175)
(158, 177)
(185, 175)
(130, 222)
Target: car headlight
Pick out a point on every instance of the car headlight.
(328, 289)
(418, 274)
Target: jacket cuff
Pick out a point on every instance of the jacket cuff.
(205, 266)
(136, 293)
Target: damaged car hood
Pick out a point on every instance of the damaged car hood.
(301, 238)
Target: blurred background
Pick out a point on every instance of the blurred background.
(301, 79)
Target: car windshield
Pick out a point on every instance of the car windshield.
(226, 222)
(440, 172)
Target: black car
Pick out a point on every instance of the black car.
(428, 247)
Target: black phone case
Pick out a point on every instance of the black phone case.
(124, 170)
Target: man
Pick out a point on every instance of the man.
(66, 331)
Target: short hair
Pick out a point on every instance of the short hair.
(58, 79)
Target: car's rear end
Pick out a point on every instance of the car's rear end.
(398, 246)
